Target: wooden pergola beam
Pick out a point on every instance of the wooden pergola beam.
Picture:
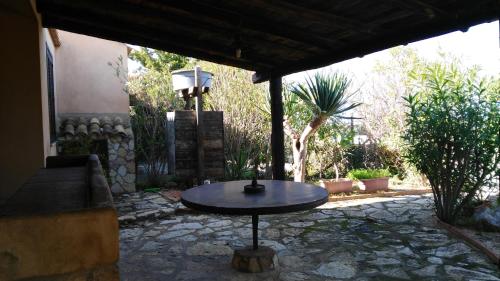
(116, 34)
(328, 17)
(170, 27)
(420, 5)
(243, 23)
(213, 29)
(183, 19)
(379, 43)
(117, 21)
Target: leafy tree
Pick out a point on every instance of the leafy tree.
(329, 150)
(383, 106)
(157, 60)
(324, 97)
(453, 134)
(246, 136)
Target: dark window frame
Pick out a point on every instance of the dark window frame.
(51, 94)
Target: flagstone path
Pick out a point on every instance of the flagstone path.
(368, 239)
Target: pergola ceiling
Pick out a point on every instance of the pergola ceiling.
(276, 37)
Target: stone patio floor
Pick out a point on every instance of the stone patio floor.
(368, 239)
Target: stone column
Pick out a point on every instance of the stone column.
(121, 164)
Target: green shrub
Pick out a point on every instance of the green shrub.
(453, 135)
(153, 98)
(376, 156)
(366, 174)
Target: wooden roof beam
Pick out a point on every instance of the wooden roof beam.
(314, 14)
(117, 23)
(431, 10)
(124, 35)
(158, 15)
(158, 21)
(250, 23)
(388, 40)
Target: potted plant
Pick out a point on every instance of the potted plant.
(372, 179)
(337, 185)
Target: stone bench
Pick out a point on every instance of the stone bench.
(60, 224)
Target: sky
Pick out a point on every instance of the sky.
(480, 45)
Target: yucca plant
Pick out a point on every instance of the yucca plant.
(326, 97)
(238, 166)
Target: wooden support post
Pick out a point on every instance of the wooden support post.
(199, 125)
(277, 133)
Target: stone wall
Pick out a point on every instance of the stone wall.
(116, 131)
(182, 143)
(121, 164)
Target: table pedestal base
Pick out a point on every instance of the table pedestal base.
(254, 261)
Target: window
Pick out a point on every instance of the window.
(51, 97)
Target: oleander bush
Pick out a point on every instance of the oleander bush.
(453, 125)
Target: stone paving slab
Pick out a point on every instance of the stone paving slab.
(368, 239)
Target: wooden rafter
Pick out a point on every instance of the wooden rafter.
(429, 9)
(140, 38)
(176, 27)
(111, 21)
(278, 37)
(328, 18)
(241, 22)
(373, 45)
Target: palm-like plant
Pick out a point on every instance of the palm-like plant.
(325, 95)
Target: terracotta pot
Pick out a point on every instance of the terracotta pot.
(336, 186)
(377, 184)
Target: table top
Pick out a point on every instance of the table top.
(279, 197)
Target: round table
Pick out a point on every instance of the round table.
(279, 197)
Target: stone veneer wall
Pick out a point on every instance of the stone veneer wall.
(121, 164)
(116, 130)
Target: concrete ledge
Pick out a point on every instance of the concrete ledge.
(57, 244)
(61, 221)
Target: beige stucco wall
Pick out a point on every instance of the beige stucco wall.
(85, 81)
(44, 245)
(24, 138)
